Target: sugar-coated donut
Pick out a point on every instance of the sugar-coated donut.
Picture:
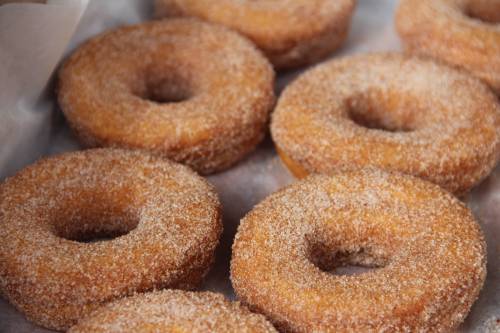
(427, 253)
(192, 91)
(173, 311)
(464, 33)
(392, 112)
(290, 32)
(167, 219)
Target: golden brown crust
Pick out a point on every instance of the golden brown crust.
(428, 252)
(173, 311)
(463, 33)
(108, 88)
(440, 124)
(291, 33)
(169, 218)
(295, 168)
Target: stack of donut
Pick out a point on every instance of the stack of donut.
(112, 238)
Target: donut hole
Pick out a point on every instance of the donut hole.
(163, 86)
(90, 225)
(487, 11)
(345, 261)
(375, 110)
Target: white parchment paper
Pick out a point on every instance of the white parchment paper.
(32, 40)
(239, 188)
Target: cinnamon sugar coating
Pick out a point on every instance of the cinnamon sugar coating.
(427, 251)
(173, 311)
(463, 33)
(197, 93)
(391, 112)
(166, 220)
(291, 33)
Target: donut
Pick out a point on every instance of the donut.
(291, 33)
(191, 91)
(392, 112)
(173, 311)
(463, 33)
(426, 253)
(163, 219)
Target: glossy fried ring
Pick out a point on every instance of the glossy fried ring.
(426, 250)
(464, 33)
(165, 218)
(290, 32)
(194, 92)
(173, 311)
(390, 112)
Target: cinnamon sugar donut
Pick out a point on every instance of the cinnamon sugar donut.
(173, 311)
(166, 220)
(290, 32)
(392, 112)
(194, 92)
(464, 33)
(427, 253)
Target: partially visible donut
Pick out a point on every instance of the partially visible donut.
(194, 92)
(165, 217)
(464, 33)
(427, 252)
(173, 311)
(391, 112)
(291, 33)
